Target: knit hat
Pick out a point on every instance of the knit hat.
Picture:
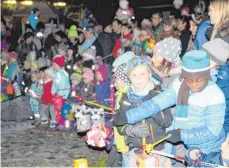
(34, 64)
(218, 50)
(72, 32)
(61, 34)
(137, 61)
(76, 76)
(186, 9)
(124, 58)
(13, 55)
(178, 2)
(90, 29)
(50, 71)
(27, 35)
(35, 10)
(195, 65)
(169, 49)
(103, 70)
(120, 73)
(90, 53)
(59, 60)
(42, 62)
(88, 74)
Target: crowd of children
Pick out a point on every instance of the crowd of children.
(170, 74)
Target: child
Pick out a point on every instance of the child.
(141, 89)
(35, 94)
(220, 158)
(102, 86)
(76, 79)
(46, 98)
(145, 33)
(169, 29)
(136, 44)
(165, 61)
(86, 91)
(13, 67)
(89, 57)
(61, 84)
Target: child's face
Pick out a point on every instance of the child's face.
(157, 59)
(70, 53)
(180, 25)
(225, 149)
(125, 30)
(195, 85)
(143, 35)
(72, 39)
(86, 81)
(34, 78)
(98, 76)
(41, 75)
(61, 52)
(139, 77)
(33, 68)
(75, 82)
(167, 28)
(81, 37)
(120, 84)
(55, 66)
(47, 77)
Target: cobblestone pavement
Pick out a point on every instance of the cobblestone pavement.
(23, 145)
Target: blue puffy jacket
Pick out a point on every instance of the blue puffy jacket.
(201, 37)
(203, 126)
(223, 83)
(102, 91)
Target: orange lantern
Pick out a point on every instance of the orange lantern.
(10, 90)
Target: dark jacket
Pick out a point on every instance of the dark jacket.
(24, 49)
(185, 38)
(99, 49)
(11, 38)
(159, 122)
(105, 39)
(176, 13)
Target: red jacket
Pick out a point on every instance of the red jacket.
(46, 98)
(118, 44)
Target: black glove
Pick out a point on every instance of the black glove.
(174, 136)
(120, 119)
(140, 130)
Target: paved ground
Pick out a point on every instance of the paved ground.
(24, 145)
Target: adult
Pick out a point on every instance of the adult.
(91, 40)
(199, 25)
(218, 48)
(26, 47)
(8, 35)
(157, 25)
(116, 27)
(200, 106)
(33, 18)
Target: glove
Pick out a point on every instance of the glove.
(174, 136)
(139, 130)
(120, 119)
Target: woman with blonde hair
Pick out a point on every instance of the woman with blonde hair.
(219, 15)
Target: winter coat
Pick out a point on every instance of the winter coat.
(119, 44)
(185, 38)
(105, 39)
(24, 49)
(46, 97)
(61, 84)
(102, 91)
(201, 36)
(159, 122)
(223, 83)
(202, 127)
(12, 71)
(34, 102)
(86, 91)
(157, 31)
(99, 49)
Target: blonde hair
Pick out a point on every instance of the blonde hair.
(136, 35)
(222, 8)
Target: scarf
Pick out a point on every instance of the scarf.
(86, 44)
(136, 96)
(184, 91)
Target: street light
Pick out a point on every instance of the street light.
(10, 2)
(26, 3)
